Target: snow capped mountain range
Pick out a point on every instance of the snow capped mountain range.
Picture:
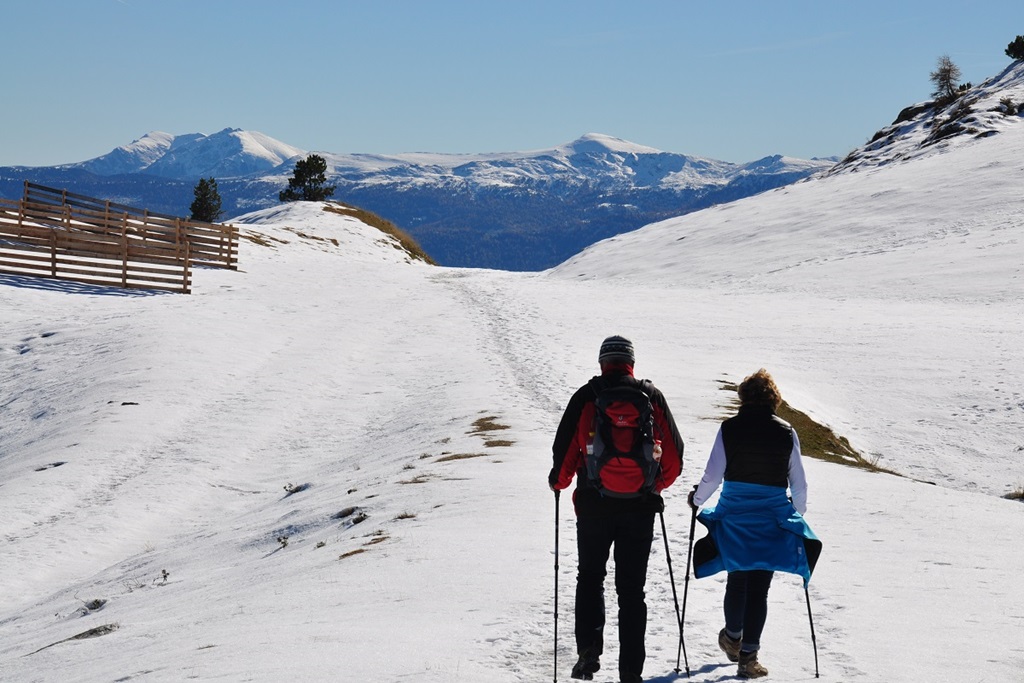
(232, 153)
(229, 153)
(511, 210)
(594, 159)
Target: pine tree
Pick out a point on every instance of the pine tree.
(1015, 50)
(206, 206)
(309, 182)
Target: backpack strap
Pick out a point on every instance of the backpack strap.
(647, 386)
(597, 385)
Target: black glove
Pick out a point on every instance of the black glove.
(689, 498)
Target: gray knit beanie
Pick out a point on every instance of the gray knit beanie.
(616, 349)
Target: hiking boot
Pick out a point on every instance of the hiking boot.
(730, 646)
(749, 666)
(586, 667)
(630, 678)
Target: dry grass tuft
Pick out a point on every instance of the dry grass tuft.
(487, 424)
(405, 241)
(460, 456)
(816, 440)
(418, 479)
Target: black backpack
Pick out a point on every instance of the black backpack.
(624, 430)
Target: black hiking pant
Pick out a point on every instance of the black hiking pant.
(631, 534)
(746, 606)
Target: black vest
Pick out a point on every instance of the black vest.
(757, 447)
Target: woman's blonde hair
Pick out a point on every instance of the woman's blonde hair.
(760, 390)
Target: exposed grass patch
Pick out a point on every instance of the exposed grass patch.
(487, 424)
(460, 456)
(418, 479)
(260, 239)
(498, 443)
(405, 241)
(406, 515)
(375, 541)
(307, 236)
(817, 440)
(351, 553)
(1016, 494)
(84, 635)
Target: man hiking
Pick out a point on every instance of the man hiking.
(618, 439)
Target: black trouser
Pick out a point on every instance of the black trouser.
(746, 606)
(631, 533)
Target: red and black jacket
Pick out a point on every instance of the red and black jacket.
(569, 450)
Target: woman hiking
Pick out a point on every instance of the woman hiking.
(755, 529)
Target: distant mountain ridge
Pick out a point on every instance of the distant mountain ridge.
(228, 153)
(511, 210)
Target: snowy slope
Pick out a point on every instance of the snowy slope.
(391, 422)
(912, 257)
(929, 127)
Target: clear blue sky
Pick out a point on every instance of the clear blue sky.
(728, 80)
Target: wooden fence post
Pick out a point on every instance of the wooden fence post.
(53, 252)
(124, 256)
(185, 289)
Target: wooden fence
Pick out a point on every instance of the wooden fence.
(57, 234)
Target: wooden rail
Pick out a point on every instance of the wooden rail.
(58, 234)
(55, 242)
(211, 244)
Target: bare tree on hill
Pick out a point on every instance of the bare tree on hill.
(945, 78)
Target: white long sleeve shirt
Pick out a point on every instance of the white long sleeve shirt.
(714, 473)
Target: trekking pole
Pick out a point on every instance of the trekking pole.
(556, 588)
(814, 641)
(679, 620)
(686, 581)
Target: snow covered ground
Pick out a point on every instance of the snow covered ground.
(331, 465)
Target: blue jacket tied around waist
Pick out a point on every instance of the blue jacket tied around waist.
(755, 527)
